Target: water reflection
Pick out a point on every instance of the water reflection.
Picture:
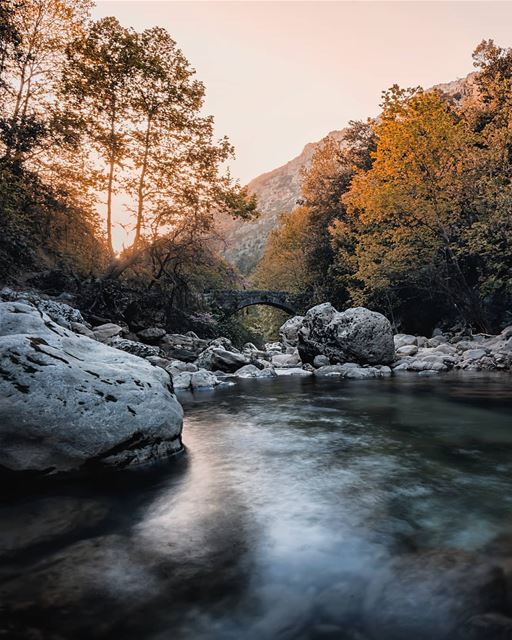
(300, 508)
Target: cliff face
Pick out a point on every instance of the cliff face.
(278, 192)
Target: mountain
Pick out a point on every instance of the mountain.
(279, 190)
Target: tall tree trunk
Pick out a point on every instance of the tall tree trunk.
(140, 189)
(110, 186)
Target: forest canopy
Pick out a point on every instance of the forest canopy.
(411, 213)
(94, 114)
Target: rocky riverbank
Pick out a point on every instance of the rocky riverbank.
(102, 396)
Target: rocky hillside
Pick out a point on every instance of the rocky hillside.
(279, 190)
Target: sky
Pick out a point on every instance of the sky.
(281, 74)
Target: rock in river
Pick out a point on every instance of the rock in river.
(357, 335)
(69, 403)
(216, 358)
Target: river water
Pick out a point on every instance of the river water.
(294, 500)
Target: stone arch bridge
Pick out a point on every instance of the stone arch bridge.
(231, 301)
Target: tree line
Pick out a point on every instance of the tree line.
(411, 213)
(94, 116)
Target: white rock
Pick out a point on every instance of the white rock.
(404, 340)
(182, 380)
(474, 354)
(284, 361)
(251, 371)
(407, 350)
(59, 312)
(203, 379)
(69, 403)
(293, 372)
(105, 332)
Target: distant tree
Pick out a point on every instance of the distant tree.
(323, 186)
(284, 263)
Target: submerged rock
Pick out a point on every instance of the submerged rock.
(356, 335)
(69, 403)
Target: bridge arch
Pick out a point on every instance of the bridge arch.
(232, 301)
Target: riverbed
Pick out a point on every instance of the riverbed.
(294, 498)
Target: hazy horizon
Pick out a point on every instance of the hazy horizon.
(281, 74)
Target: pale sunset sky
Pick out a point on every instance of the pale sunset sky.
(281, 74)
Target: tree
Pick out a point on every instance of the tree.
(417, 201)
(37, 32)
(99, 77)
(323, 186)
(141, 106)
(284, 263)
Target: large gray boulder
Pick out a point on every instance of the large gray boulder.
(219, 359)
(182, 347)
(69, 403)
(289, 331)
(357, 335)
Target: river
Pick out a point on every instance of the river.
(294, 495)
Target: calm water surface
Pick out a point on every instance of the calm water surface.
(293, 494)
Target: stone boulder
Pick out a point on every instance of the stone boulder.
(203, 379)
(286, 360)
(289, 331)
(181, 380)
(151, 335)
(135, 348)
(182, 347)
(321, 361)
(105, 332)
(216, 358)
(251, 371)
(356, 335)
(69, 403)
(59, 312)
